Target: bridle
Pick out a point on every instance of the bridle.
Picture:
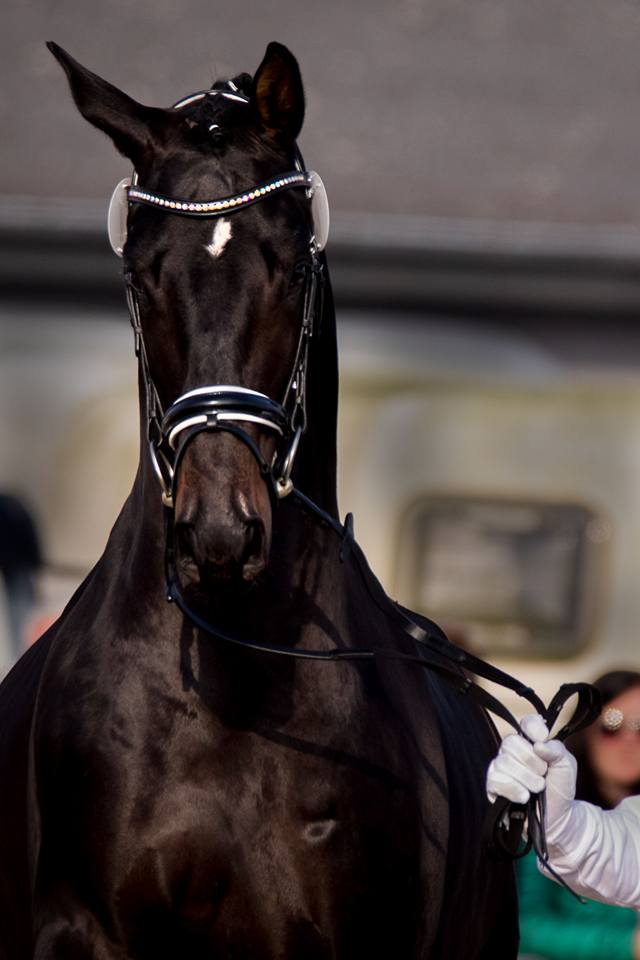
(230, 408)
(222, 407)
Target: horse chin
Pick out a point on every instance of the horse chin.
(208, 573)
(212, 576)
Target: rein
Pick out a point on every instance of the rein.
(229, 408)
(505, 820)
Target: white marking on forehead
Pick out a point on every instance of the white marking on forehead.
(220, 238)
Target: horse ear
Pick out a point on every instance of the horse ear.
(277, 93)
(132, 126)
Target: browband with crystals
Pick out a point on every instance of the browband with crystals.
(211, 208)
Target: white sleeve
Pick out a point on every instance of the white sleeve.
(598, 851)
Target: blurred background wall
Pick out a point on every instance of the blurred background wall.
(481, 163)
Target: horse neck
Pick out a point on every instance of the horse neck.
(316, 462)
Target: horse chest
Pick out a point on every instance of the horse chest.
(248, 791)
(270, 839)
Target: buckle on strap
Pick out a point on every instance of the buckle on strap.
(284, 484)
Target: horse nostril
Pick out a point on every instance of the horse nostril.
(254, 559)
(230, 546)
(187, 543)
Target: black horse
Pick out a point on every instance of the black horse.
(173, 783)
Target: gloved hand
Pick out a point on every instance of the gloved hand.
(522, 768)
(597, 852)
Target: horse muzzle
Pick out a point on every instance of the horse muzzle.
(220, 495)
(235, 547)
(222, 516)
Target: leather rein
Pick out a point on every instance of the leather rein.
(228, 408)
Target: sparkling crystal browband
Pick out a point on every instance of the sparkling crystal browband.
(208, 208)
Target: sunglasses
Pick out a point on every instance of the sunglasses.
(613, 721)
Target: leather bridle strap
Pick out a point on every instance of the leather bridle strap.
(437, 654)
(425, 658)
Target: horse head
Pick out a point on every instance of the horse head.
(221, 295)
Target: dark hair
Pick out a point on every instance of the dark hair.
(610, 685)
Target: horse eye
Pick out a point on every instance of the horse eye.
(299, 273)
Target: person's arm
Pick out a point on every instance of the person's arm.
(596, 851)
(599, 851)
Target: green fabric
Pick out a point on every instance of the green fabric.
(555, 926)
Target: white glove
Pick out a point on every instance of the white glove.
(596, 851)
(522, 768)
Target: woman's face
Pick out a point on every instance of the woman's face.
(615, 754)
